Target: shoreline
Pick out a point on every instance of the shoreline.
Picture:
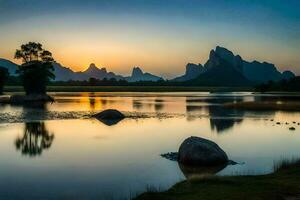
(281, 184)
(133, 89)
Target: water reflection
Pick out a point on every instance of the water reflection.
(35, 111)
(221, 119)
(193, 172)
(158, 105)
(75, 165)
(136, 104)
(35, 139)
(92, 101)
(110, 122)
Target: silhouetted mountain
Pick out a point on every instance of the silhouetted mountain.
(220, 55)
(261, 72)
(288, 75)
(222, 58)
(95, 72)
(191, 71)
(222, 69)
(12, 67)
(64, 73)
(138, 75)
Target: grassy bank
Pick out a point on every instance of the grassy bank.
(284, 183)
(267, 105)
(132, 89)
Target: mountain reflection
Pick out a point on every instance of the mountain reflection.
(221, 119)
(158, 105)
(92, 103)
(137, 104)
(35, 139)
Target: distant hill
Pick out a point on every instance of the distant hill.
(63, 73)
(191, 71)
(225, 68)
(138, 75)
(12, 67)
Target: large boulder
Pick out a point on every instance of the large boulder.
(198, 151)
(109, 116)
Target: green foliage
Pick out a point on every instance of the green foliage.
(33, 51)
(35, 76)
(3, 77)
(36, 70)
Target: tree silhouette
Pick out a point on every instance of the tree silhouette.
(3, 77)
(35, 139)
(37, 69)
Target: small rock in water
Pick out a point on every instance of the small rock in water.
(292, 128)
(294, 122)
(170, 156)
(272, 120)
(231, 162)
(277, 122)
(286, 123)
(110, 116)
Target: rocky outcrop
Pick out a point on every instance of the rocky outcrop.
(109, 116)
(220, 55)
(138, 75)
(196, 151)
(221, 69)
(191, 71)
(95, 72)
(288, 75)
(261, 72)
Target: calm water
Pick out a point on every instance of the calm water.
(57, 151)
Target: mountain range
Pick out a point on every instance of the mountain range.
(65, 74)
(222, 68)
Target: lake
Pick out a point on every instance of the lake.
(57, 151)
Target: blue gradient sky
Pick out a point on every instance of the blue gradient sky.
(161, 36)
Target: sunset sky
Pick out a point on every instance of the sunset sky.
(160, 36)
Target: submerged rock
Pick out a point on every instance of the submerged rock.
(109, 116)
(292, 128)
(198, 151)
(170, 156)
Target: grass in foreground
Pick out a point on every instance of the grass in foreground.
(284, 183)
(267, 105)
